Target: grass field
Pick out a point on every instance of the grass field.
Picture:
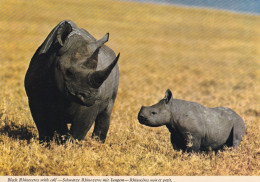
(207, 56)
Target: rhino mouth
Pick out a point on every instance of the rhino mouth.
(81, 99)
(86, 101)
(145, 121)
(142, 119)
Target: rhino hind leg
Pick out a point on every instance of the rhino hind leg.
(229, 142)
(238, 132)
(102, 123)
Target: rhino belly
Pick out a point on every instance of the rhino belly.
(215, 140)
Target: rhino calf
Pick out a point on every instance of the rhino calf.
(72, 78)
(194, 127)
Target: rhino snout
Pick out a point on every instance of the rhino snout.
(141, 118)
(143, 115)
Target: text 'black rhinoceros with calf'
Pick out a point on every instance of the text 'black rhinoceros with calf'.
(72, 78)
(194, 127)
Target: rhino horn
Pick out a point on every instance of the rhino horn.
(91, 63)
(100, 42)
(93, 46)
(63, 32)
(98, 77)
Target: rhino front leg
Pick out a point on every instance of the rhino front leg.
(43, 124)
(193, 143)
(45, 130)
(102, 123)
(177, 141)
(101, 126)
(82, 122)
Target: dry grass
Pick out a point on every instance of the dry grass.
(211, 57)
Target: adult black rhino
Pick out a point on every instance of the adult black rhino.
(72, 78)
(194, 127)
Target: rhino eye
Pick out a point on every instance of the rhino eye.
(153, 112)
(69, 73)
(58, 66)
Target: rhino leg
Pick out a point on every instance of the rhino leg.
(61, 129)
(102, 123)
(229, 142)
(44, 126)
(82, 122)
(101, 126)
(47, 121)
(177, 141)
(192, 142)
(238, 132)
(195, 145)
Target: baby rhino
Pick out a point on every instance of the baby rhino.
(194, 127)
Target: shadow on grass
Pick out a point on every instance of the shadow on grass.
(15, 131)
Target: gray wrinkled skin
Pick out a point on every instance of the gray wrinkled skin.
(72, 78)
(194, 127)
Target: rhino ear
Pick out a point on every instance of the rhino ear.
(61, 30)
(168, 96)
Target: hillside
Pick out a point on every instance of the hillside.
(211, 57)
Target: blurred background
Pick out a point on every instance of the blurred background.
(239, 6)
